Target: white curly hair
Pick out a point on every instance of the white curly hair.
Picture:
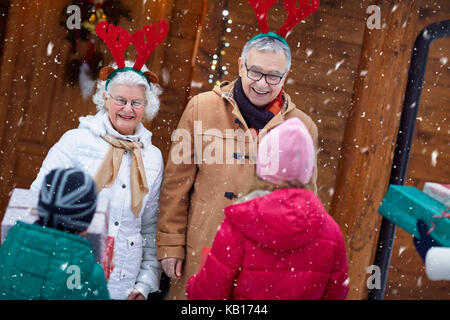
(130, 78)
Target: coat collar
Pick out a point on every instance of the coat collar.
(225, 90)
(100, 125)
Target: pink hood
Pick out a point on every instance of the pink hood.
(283, 220)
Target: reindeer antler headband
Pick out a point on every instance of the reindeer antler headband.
(294, 16)
(118, 39)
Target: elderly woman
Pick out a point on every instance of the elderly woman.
(116, 149)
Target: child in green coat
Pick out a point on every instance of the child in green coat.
(49, 259)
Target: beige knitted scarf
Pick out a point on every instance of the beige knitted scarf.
(108, 170)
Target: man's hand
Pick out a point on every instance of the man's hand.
(172, 267)
(136, 295)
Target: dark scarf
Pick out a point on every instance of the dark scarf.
(255, 117)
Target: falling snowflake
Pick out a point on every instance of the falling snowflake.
(50, 48)
(434, 155)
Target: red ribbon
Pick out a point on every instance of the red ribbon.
(108, 257)
(444, 214)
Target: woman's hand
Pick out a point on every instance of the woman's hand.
(172, 267)
(136, 295)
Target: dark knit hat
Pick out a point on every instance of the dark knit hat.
(67, 200)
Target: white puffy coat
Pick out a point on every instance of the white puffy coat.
(437, 263)
(135, 263)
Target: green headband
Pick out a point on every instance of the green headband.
(272, 35)
(115, 72)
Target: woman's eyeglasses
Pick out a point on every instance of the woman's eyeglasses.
(135, 104)
(256, 76)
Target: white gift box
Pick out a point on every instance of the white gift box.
(22, 206)
(439, 192)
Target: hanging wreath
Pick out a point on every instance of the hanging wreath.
(83, 68)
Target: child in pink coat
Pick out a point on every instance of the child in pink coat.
(278, 242)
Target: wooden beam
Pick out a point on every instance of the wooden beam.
(370, 134)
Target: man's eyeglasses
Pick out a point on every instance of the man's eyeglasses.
(256, 76)
(135, 104)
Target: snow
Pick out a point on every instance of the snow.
(401, 250)
(50, 48)
(434, 155)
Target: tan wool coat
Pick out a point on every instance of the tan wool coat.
(211, 163)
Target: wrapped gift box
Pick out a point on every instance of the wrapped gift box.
(404, 205)
(439, 192)
(22, 206)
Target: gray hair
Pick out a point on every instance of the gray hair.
(268, 44)
(130, 78)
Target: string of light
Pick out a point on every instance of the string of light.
(216, 68)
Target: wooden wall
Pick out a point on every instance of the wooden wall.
(37, 107)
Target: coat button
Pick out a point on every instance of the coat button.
(132, 243)
(116, 223)
(124, 186)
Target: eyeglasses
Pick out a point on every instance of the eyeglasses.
(256, 76)
(135, 104)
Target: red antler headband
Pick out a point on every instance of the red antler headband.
(118, 39)
(294, 16)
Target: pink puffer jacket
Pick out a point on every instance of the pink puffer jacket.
(280, 246)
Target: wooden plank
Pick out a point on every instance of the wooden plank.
(425, 140)
(25, 168)
(435, 96)
(436, 125)
(437, 74)
(423, 167)
(440, 49)
(315, 101)
(356, 200)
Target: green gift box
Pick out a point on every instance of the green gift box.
(404, 205)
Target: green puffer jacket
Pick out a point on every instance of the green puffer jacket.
(49, 264)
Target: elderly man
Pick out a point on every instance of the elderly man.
(196, 188)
